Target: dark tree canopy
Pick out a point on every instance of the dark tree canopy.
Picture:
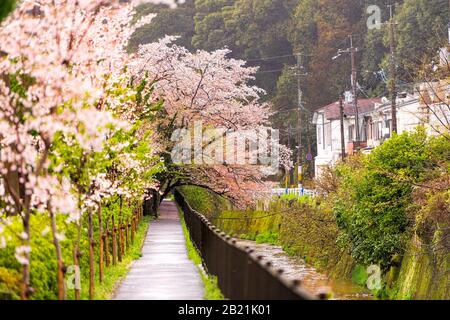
(6, 6)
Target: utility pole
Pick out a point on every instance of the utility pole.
(352, 51)
(354, 87)
(308, 137)
(393, 69)
(341, 115)
(289, 173)
(289, 130)
(299, 122)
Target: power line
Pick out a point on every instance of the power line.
(277, 57)
(270, 58)
(270, 71)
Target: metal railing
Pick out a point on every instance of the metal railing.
(241, 273)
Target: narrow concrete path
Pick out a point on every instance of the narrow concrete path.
(164, 272)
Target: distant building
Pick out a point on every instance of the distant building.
(328, 129)
(427, 105)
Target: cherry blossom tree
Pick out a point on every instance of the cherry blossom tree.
(216, 91)
(59, 63)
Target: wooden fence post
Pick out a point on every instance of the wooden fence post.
(106, 243)
(114, 243)
(119, 245)
(127, 235)
(100, 232)
(91, 256)
(133, 226)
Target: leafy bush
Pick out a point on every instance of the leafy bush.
(9, 284)
(375, 194)
(43, 258)
(6, 6)
(205, 201)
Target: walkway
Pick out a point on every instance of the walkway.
(164, 272)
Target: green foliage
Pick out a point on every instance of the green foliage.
(9, 284)
(210, 29)
(248, 224)
(299, 199)
(304, 228)
(252, 29)
(205, 201)
(359, 275)
(175, 22)
(422, 30)
(43, 259)
(375, 194)
(267, 237)
(6, 6)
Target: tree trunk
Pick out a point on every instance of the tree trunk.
(91, 257)
(120, 248)
(59, 259)
(151, 205)
(106, 244)
(133, 226)
(26, 289)
(127, 224)
(114, 242)
(100, 238)
(76, 257)
(121, 242)
(156, 202)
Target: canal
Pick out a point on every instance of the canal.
(313, 280)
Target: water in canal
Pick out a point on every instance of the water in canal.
(314, 281)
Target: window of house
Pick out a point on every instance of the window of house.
(319, 134)
(328, 134)
(388, 126)
(364, 131)
(351, 132)
(323, 131)
(379, 130)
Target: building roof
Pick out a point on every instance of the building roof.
(364, 105)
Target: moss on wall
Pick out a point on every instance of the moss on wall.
(424, 273)
(247, 223)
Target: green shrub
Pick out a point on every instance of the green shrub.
(205, 201)
(375, 193)
(359, 275)
(268, 237)
(43, 258)
(9, 284)
(6, 6)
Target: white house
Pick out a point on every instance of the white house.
(328, 129)
(427, 105)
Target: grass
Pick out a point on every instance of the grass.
(114, 274)
(267, 237)
(212, 290)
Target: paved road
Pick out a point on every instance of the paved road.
(164, 272)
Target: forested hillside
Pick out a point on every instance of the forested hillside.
(270, 33)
